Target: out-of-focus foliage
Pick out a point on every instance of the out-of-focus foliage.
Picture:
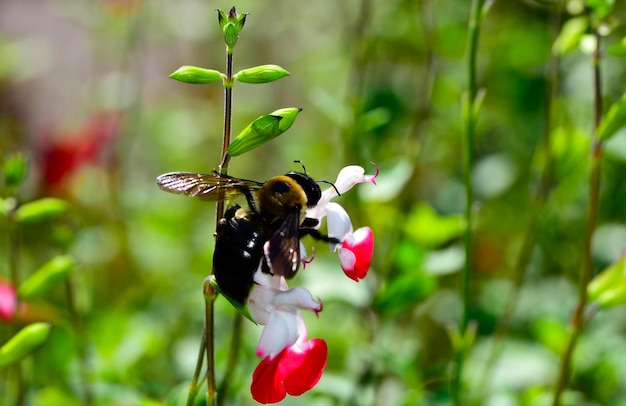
(85, 95)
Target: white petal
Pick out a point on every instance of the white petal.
(318, 212)
(348, 177)
(280, 332)
(297, 297)
(258, 302)
(339, 224)
(347, 259)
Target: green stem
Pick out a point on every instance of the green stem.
(587, 271)
(470, 129)
(219, 213)
(207, 346)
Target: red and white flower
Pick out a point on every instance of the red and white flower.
(291, 364)
(357, 247)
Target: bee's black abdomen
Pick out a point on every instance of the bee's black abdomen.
(238, 251)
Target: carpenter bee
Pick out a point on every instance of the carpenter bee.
(267, 232)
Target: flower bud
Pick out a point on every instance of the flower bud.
(46, 277)
(231, 35)
(26, 341)
(196, 75)
(232, 17)
(261, 74)
(15, 168)
(262, 130)
(40, 210)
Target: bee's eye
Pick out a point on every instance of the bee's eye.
(280, 188)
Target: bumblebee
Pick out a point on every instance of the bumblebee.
(267, 232)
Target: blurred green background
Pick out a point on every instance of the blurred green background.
(84, 93)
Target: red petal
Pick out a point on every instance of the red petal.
(295, 370)
(302, 367)
(362, 248)
(267, 385)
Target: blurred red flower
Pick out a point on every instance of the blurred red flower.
(62, 155)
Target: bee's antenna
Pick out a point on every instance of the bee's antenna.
(297, 161)
(331, 184)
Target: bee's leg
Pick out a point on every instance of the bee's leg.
(309, 222)
(317, 235)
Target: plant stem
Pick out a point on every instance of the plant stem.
(207, 346)
(586, 271)
(219, 213)
(470, 129)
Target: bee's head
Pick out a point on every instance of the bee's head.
(309, 186)
(280, 196)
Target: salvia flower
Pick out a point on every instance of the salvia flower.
(291, 364)
(357, 247)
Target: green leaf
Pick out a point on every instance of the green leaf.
(615, 119)
(551, 333)
(40, 210)
(428, 228)
(608, 288)
(25, 342)
(262, 130)
(261, 74)
(46, 277)
(570, 35)
(15, 168)
(238, 306)
(601, 8)
(618, 49)
(196, 75)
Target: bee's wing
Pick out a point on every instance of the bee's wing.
(214, 187)
(282, 251)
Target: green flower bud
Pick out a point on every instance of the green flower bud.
(231, 17)
(196, 75)
(231, 35)
(256, 133)
(15, 168)
(288, 115)
(40, 210)
(261, 74)
(46, 277)
(25, 342)
(262, 130)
